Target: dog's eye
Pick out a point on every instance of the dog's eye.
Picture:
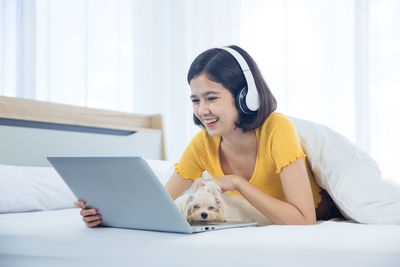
(211, 208)
(196, 206)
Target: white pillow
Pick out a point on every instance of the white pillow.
(350, 176)
(24, 188)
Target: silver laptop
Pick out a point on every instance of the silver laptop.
(127, 194)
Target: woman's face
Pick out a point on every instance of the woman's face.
(213, 105)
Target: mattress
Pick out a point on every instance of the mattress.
(59, 238)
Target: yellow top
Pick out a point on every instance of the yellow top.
(277, 146)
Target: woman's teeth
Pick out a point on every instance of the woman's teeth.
(210, 121)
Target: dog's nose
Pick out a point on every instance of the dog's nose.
(204, 215)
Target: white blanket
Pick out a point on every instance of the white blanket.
(59, 238)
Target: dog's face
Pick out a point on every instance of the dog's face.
(205, 204)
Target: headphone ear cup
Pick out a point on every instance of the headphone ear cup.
(241, 102)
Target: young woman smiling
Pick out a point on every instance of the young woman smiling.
(244, 144)
(255, 153)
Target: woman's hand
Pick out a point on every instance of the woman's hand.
(226, 182)
(89, 216)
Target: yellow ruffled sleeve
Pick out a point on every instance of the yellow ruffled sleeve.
(191, 165)
(284, 145)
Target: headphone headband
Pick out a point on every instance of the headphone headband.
(251, 98)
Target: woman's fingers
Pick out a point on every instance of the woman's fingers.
(79, 204)
(89, 216)
(93, 223)
(199, 184)
(88, 212)
(89, 219)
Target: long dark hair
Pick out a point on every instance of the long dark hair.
(221, 67)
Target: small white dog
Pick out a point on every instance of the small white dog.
(208, 203)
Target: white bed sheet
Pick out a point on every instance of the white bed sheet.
(59, 238)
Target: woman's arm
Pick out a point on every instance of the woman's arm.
(299, 208)
(176, 185)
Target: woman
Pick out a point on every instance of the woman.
(249, 149)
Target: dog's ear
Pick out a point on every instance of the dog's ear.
(188, 210)
(181, 202)
(220, 203)
(189, 199)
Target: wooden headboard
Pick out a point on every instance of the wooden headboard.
(32, 130)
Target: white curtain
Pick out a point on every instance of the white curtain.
(335, 62)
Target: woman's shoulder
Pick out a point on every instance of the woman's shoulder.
(198, 137)
(276, 120)
(279, 132)
(276, 127)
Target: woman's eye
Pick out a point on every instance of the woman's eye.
(195, 101)
(212, 98)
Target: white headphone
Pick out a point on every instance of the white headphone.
(247, 99)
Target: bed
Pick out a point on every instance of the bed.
(32, 130)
